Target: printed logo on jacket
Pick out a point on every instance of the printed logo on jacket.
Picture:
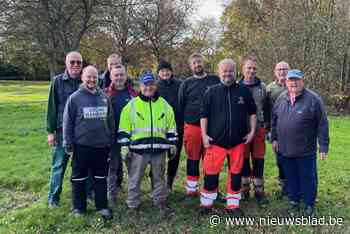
(99, 112)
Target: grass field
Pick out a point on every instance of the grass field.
(25, 165)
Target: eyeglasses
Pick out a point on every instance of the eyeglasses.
(77, 62)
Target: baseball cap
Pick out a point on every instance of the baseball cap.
(295, 73)
(147, 78)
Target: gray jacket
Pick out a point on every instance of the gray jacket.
(297, 127)
(88, 120)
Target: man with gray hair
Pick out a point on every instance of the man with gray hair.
(299, 121)
(274, 90)
(224, 113)
(62, 86)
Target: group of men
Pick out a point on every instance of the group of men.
(102, 121)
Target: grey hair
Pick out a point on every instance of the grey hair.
(227, 61)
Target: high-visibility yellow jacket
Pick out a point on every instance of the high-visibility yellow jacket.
(147, 125)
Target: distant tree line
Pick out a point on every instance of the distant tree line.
(311, 35)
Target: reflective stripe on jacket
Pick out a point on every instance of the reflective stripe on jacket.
(147, 125)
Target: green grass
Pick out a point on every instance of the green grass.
(25, 165)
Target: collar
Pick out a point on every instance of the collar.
(297, 97)
(232, 86)
(67, 77)
(168, 81)
(256, 82)
(86, 90)
(200, 77)
(147, 99)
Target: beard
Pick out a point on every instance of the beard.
(198, 71)
(228, 81)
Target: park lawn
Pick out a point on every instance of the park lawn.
(25, 167)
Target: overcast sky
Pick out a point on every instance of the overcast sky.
(211, 8)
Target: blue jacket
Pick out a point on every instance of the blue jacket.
(297, 127)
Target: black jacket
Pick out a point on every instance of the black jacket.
(190, 97)
(169, 90)
(227, 110)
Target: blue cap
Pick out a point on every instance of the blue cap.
(295, 73)
(146, 78)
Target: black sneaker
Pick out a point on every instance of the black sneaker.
(235, 213)
(205, 210)
(78, 212)
(106, 214)
(309, 211)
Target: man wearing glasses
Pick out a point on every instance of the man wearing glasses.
(274, 90)
(62, 86)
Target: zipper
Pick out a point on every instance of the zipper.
(230, 114)
(150, 107)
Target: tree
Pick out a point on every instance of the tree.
(55, 26)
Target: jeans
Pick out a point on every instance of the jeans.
(301, 174)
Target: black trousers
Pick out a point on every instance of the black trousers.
(91, 159)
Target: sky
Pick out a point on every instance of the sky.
(211, 8)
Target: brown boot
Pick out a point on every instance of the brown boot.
(259, 191)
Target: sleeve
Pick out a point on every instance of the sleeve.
(205, 105)
(267, 111)
(51, 110)
(322, 128)
(171, 134)
(68, 125)
(111, 121)
(181, 98)
(124, 132)
(274, 120)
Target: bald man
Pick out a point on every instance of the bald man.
(225, 135)
(88, 132)
(274, 90)
(62, 86)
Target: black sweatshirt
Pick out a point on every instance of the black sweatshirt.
(227, 109)
(169, 90)
(191, 95)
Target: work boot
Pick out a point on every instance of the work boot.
(245, 191)
(106, 214)
(259, 191)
